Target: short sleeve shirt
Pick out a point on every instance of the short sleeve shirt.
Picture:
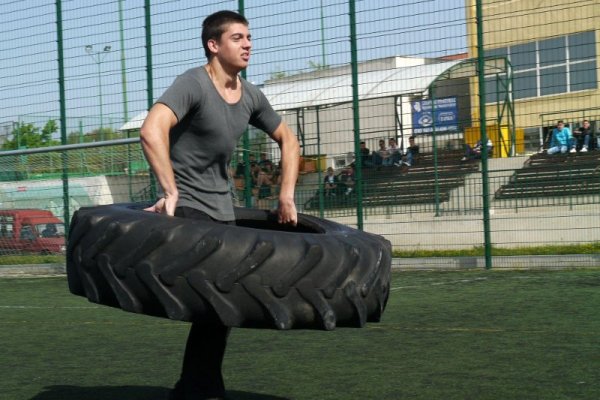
(205, 136)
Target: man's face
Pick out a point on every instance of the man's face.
(586, 124)
(382, 144)
(234, 46)
(560, 126)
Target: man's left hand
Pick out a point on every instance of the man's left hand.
(286, 212)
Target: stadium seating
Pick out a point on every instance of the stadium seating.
(416, 184)
(544, 175)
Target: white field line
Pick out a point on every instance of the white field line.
(437, 284)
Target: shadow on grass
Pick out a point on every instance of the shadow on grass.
(64, 392)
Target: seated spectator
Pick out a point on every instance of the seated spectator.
(264, 161)
(347, 180)
(254, 172)
(264, 182)
(381, 154)
(584, 136)
(365, 155)
(394, 155)
(411, 152)
(561, 140)
(330, 182)
(474, 153)
(240, 169)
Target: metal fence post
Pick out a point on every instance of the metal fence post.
(319, 171)
(356, 115)
(246, 143)
(63, 113)
(149, 77)
(482, 126)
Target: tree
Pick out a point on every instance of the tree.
(47, 131)
(30, 136)
(102, 134)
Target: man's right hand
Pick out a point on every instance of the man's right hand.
(164, 205)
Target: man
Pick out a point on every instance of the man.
(411, 151)
(330, 181)
(187, 138)
(583, 136)
(474, 153)
(365, 155)
(394, 155)
(561, 139)
(381, 155)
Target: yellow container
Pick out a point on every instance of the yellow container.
(319, 160)
(500, 137)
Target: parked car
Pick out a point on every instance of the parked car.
(31, 231)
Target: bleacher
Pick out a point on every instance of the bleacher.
(383, 186)
(544, 175)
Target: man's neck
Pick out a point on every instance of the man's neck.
(221, 77)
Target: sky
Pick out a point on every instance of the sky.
(287, 36)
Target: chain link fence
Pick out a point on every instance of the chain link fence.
(442, 147)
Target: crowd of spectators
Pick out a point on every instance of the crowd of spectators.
(265, 176)
(562, 140)
(389, 155)
(339, 185)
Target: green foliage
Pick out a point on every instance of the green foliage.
(85, 162)
(96, 135)
(26, 135)
(31, 259)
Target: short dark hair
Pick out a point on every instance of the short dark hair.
(215, 24)
(411, 137)
(560, 121)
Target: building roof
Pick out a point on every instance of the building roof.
(134, 123)
(329, 90)
(338, 89)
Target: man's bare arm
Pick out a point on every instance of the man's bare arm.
(154, 136)
(290, 160)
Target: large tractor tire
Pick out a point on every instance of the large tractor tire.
(259, 274)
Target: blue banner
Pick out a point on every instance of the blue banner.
(445, 115)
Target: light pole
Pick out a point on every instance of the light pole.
(98, 57)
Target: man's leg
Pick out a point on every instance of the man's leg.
(468, 152)
(377, 160)
(553, 150)
(586, 143)
(201, 376)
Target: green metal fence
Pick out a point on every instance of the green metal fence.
(75, 87)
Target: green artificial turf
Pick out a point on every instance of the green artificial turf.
(444, 335)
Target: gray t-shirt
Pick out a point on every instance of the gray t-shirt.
(205, 136)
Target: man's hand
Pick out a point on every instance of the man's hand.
(164, 205)
(286, 212)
